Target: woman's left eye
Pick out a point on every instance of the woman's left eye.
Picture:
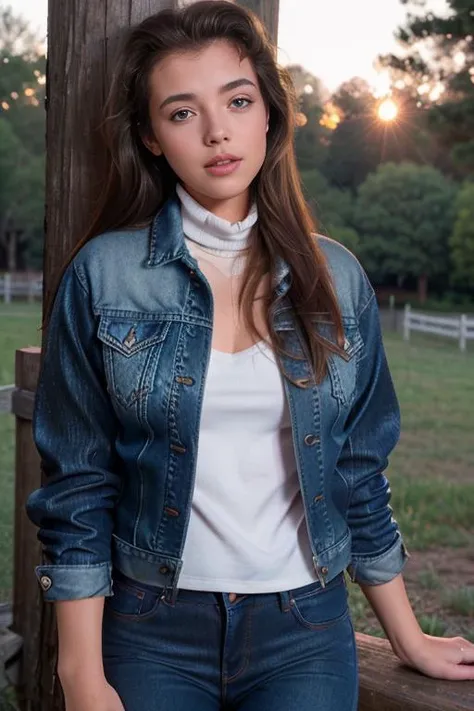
(241, 103)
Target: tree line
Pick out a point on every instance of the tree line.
(22, 138)
(398, 193)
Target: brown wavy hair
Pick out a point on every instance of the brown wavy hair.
(138, 183)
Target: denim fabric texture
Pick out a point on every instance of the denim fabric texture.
(289, 651)
(118, 409)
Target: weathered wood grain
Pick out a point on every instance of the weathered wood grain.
(268, 11)
(387, 685)
(26, 596)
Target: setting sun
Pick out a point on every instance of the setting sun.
(388, 110)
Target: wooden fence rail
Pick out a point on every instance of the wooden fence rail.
(459, 327)
(385, 684)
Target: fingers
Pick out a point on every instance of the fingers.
(461, 672)
(466, 650)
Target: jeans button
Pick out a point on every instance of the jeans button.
(310, 440)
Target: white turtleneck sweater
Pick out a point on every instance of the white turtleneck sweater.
(247, 532)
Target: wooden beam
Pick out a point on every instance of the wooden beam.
(27, 551)
(387, 685)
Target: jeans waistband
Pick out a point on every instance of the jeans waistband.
(201, 597)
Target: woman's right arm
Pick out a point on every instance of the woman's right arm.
(80, 666)
(74, 428)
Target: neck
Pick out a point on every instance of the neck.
(232, 210)
(203, 227)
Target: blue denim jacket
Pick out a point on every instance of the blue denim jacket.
(118, 408)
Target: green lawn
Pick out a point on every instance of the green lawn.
(19, 327)
(431, 471)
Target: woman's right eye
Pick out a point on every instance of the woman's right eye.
(178, 116)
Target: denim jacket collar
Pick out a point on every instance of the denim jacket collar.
(167, 244)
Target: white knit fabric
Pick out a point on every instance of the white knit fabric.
(247, 531)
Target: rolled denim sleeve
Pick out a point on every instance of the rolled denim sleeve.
(74, 428)
(373, 429)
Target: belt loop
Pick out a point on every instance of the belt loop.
(170, 595)
(284, 598)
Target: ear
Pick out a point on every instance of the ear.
(268, 120)
(152, 144)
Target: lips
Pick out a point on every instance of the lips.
(224, 159)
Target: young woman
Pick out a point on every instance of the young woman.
(215, 410)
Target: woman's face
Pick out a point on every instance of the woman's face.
(205, 105)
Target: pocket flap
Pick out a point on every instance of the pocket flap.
(128, 337)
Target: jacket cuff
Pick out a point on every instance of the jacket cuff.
(379, 569)
(74, 582)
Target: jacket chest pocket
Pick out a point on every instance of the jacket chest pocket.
(343, 372)
(131, 353)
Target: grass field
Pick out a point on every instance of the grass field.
(431, 472)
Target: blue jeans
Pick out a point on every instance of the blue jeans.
(287, 651)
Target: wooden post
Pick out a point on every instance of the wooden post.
(26, 593)
(268, 11)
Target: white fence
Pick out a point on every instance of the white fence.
(459, 327)
(6, 398)
(30, 289)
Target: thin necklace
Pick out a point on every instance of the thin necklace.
(223, 253)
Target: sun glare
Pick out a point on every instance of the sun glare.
(388, 110)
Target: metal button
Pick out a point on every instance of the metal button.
(45, 582)
(164, 570)
(179, 449)
(184, 380)
(324, 570)
(311, 440)
(318, 498)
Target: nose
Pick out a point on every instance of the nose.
(216, 132)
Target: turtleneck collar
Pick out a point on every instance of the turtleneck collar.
(212, 232)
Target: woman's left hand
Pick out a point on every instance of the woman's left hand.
(443, 658)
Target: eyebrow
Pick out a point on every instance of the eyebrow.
(223, 89)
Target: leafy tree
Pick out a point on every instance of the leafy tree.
(22, 99)
(405, 216)
(332, 208)
(355, 98)
(362, 141)
(311, 138)
(439, 53)
(22, 130)
(21, 196)
(22, 77)
(16, 36)
(462, 238)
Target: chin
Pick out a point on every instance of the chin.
(226, 190)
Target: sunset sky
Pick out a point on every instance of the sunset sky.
(334, 40)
